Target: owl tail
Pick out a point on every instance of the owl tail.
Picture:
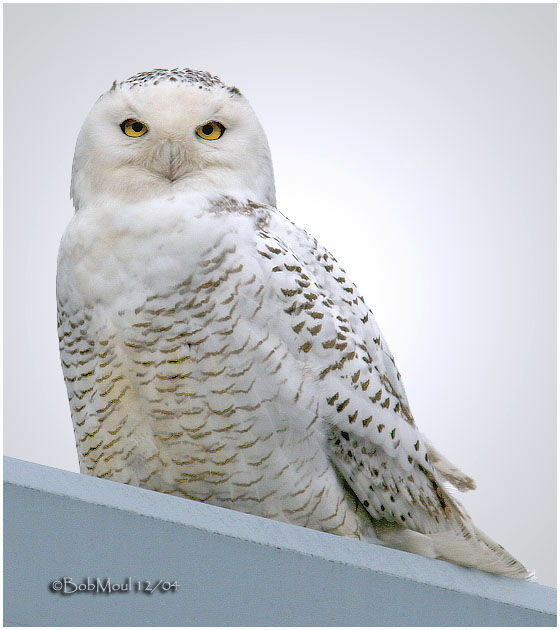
(476, 549)
(448, 471)
(460, 543)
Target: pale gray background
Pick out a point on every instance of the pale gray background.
(417, 142)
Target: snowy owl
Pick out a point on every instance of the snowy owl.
(215, 351)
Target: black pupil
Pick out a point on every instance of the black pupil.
(207, 129)
(137, 127)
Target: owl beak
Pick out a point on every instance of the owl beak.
(172, 161)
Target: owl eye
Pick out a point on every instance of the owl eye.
(133, 128)
(210, 131)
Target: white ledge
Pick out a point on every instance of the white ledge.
(232, 568)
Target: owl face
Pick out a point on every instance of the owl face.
(144, 141)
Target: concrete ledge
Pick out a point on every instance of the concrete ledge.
(232, 568)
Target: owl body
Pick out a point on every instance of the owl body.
(177, 380)
(215, 351)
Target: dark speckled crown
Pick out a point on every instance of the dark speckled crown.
(203, 79)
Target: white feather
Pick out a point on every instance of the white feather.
(213, 350)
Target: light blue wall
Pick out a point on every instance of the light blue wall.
(232, 568)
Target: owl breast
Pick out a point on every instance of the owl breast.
(177, 379)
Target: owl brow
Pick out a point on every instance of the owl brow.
(216, 112)
(131, 105)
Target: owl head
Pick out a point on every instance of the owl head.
(171, 131)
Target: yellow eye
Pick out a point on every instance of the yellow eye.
(211, 130)
(134, 128)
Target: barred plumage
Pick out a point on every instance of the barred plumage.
(215, 351)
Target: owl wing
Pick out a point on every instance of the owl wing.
(351, 305)
(371, 435)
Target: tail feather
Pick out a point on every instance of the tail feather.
(478, 551)
(457, 540)
(475, 550)
(449, 471)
